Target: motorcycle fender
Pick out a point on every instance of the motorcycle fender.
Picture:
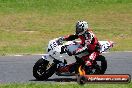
(48, 58)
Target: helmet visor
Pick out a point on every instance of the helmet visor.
(79, 30)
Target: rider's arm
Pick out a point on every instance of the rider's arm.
(91, 38)
(71, 37)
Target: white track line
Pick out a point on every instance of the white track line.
(18, 55)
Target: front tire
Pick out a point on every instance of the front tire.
(42, 70)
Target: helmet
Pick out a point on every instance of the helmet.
(81, 27)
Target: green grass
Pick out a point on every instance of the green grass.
(26, 26)
(64, 85)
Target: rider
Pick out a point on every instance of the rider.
(89, 43)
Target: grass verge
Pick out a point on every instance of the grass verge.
(27, 26)
(64, 85)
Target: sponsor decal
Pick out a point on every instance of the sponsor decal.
(107, 78)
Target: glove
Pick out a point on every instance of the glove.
(60, 40)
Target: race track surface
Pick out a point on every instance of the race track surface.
(19, 68)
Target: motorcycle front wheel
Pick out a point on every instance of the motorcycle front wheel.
(42, 70)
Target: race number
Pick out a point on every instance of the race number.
(53, 45)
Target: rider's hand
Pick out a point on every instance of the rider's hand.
(60, 40)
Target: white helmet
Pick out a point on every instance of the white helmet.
(81, 27)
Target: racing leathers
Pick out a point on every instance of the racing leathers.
(89, 43)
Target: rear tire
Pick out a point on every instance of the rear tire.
(103, 63)
(97, 69)
(42, 70)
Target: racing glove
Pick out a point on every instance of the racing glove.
(60, 40)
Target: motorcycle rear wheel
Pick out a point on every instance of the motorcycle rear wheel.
(97, 69)
(42, 70)
(94, 70)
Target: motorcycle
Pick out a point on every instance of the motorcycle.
(55, 60)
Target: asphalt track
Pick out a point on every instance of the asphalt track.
(18, 69)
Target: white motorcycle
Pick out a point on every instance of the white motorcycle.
(56, 60)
